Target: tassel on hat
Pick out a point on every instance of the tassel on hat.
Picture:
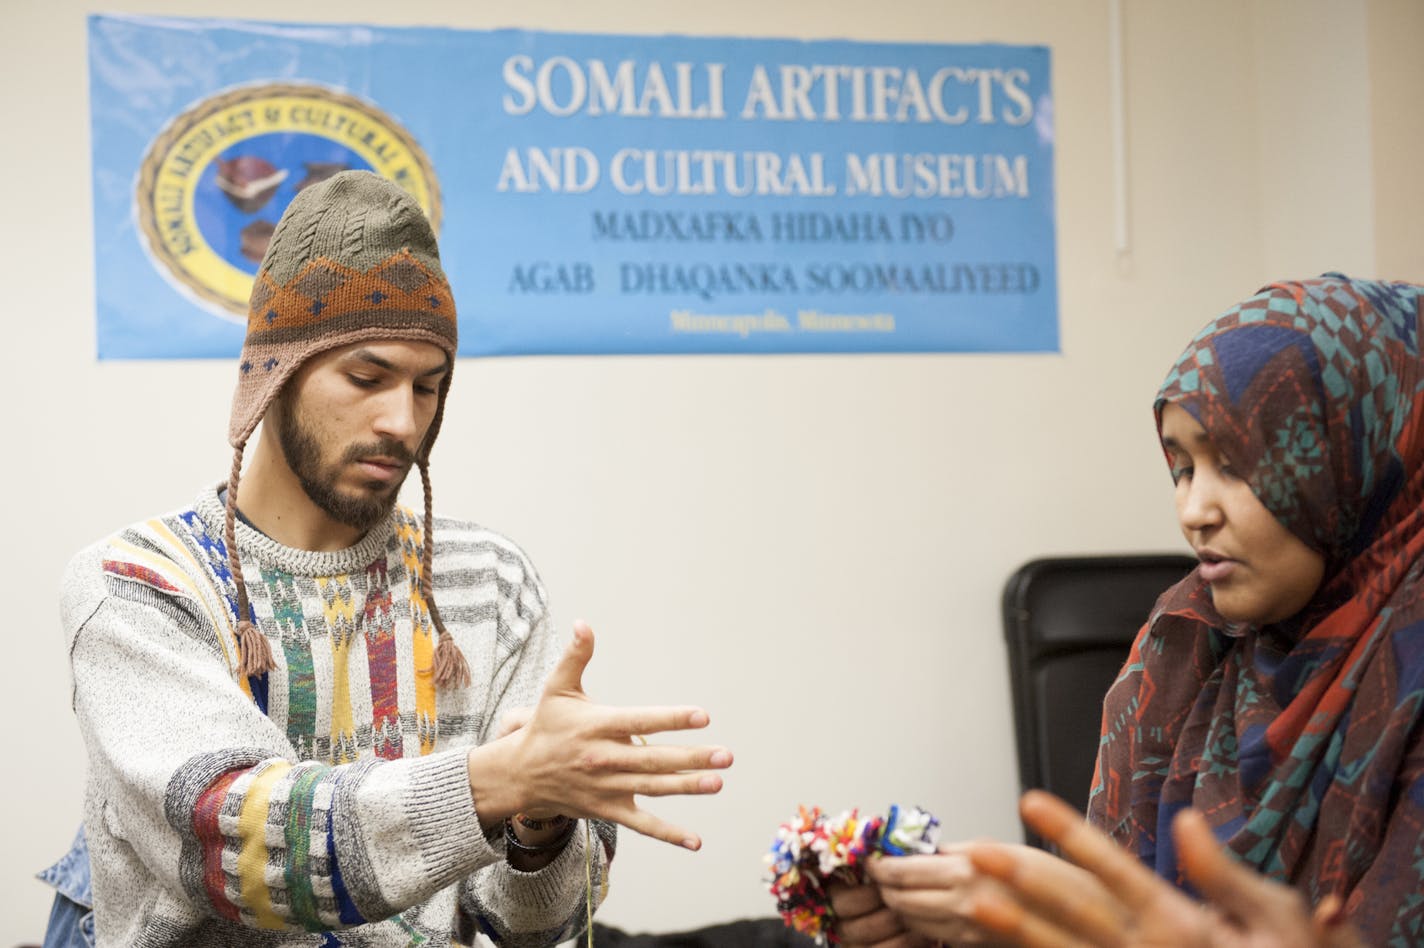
(254, 650)
(353, 258)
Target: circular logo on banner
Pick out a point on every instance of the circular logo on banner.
(215, 181)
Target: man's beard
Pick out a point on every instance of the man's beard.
(303, 453)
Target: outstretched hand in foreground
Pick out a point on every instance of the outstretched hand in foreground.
(1047, 903)
(570, 756)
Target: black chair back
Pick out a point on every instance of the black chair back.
(1069, 622)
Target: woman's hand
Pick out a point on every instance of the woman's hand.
(863, 921)
(1113, 900)
(936, 895)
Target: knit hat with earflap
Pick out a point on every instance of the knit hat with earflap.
(352, 259)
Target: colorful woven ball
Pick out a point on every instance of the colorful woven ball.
(813, 850)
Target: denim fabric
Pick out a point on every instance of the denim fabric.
(71, 920)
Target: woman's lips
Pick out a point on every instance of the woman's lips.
(1215, 570)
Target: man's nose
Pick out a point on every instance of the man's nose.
(396, 415)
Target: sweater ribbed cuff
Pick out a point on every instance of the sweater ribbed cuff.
(442, 817)
(551, 886)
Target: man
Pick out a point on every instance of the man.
(291, 692)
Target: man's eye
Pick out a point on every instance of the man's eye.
(361, 381)
(426, 390)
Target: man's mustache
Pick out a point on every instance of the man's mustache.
(385, 448)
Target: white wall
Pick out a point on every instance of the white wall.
(1397, 127)
(1321, 113)
(812, 547)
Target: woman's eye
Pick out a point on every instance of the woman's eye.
(425, 390)
(1181, 472)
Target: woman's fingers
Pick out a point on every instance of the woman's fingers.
(940, 870)
(933, 894)
(853, 901)
(1247, 900)
(1002, 916)
(1057, 822)
(1237, 890)
(1050, 888)
(877, 928)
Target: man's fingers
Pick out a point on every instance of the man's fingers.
(665, 785)
(567, 676)
(641, 821)
(655, 759)
(512, 720)
(624, 723)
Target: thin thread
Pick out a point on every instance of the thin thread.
(588, 878)
(588, 865)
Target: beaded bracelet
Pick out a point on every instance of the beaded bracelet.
(529, 822)
(511, 840)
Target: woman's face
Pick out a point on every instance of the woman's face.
(1259, 572)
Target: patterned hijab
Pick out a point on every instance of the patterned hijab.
(1302, 741)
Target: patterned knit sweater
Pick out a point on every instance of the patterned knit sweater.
(326, 802)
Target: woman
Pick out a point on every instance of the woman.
(1279, 689)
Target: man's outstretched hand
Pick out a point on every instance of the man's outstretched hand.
(570, 756)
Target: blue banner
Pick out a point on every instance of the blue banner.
(592, 193)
